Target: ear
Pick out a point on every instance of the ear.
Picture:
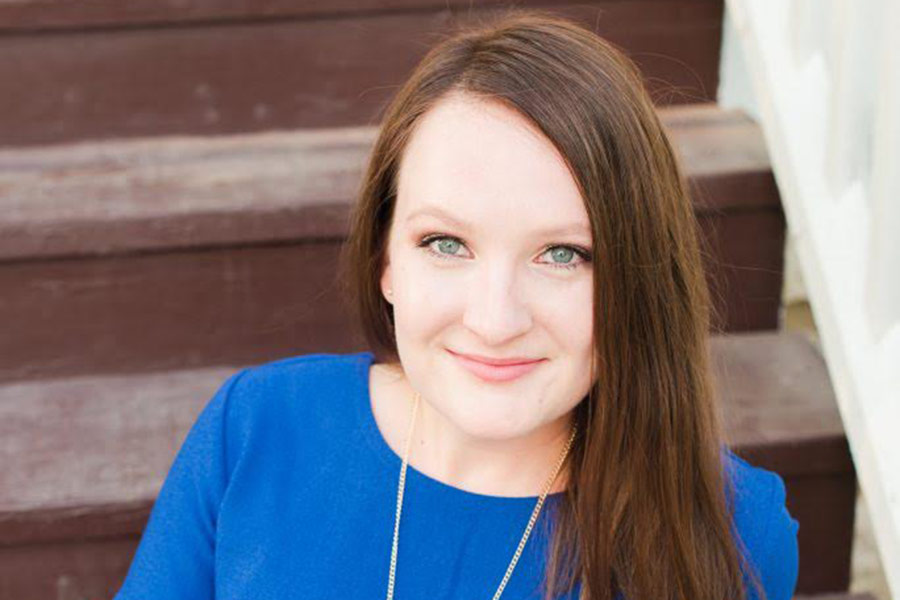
(386, 283)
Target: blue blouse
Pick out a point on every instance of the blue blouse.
(285, 488)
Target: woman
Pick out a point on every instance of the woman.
(524, 252)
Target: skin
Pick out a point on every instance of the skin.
(501, 290)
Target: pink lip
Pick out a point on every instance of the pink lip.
(496, 372)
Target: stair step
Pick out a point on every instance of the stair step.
(89, 453)
(781, 414)
(86, 456)
(837, 597)
(164, 193)
(102, 69)
(179, 252)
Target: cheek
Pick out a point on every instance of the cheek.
(432, 297)
(583, 316)
(435, 297)
(567, 311)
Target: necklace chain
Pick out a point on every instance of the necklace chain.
(534, 514)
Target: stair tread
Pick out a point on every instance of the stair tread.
(117, 435)
(142, 68)
(788, 374)
(124, 196)
(30, 14)
(92, 440)
(836, 596)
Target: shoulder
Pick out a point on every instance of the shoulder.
(764, 525)
(285, 395)
(303, 374)
(310, 368)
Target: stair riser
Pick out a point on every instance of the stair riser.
(778, 406)
(255, 74)
(745, 268)
(821, 494)
(823, 503)
(196, 307)
(169, 310)
(73, 570)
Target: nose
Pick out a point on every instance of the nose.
(495, 311)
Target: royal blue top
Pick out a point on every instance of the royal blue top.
(285, 488)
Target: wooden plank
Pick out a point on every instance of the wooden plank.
(744, 267)
(257, 75)
(32, 15)
(162, 193)
(836, 597)
(776, 390)
(185, 246)
(781, 413)
(152, 312)
(166, 193)
(84, 569)
(145, 312)
(88, 454)
(125, 431)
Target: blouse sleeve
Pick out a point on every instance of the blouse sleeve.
(175, 556)
(777, 553)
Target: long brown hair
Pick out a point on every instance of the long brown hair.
(647, 507)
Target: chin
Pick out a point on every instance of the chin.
(491, 425)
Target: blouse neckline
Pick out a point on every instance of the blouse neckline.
(394, 462)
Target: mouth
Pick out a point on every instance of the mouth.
(497, 370)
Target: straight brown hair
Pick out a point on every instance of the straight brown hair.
(647, 510)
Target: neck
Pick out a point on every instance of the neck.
(510, 467)
(515, 467)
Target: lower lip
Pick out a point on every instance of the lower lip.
(497, 373)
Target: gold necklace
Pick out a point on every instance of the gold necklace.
(534, 514)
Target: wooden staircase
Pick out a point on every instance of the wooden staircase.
(176, 185)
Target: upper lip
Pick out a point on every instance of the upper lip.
(515, 360)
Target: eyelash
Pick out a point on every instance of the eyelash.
(582, 253)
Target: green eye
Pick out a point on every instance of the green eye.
(563, 252)
(562, 256)
(448, 245)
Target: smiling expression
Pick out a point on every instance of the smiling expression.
(490, 254)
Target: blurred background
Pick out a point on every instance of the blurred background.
(176, 178)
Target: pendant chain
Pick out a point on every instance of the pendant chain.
(534, 514)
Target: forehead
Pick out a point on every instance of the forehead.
(483, 162)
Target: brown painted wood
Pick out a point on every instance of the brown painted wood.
(787, 374)
(29, 15)
(160, 194)
(252, 74)
(86, 456)
(744, 267)
(836, 597)
(167, 253)
(71, 570)
(739, 210)
(782, 414)
(163, 193)
(719, 148)
(146, 312)
(169, 310)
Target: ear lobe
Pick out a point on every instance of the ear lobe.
(386, 285)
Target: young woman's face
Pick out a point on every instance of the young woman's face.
(489, 254)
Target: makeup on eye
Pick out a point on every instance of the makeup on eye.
(584, 254)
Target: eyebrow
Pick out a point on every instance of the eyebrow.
(438, 212)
